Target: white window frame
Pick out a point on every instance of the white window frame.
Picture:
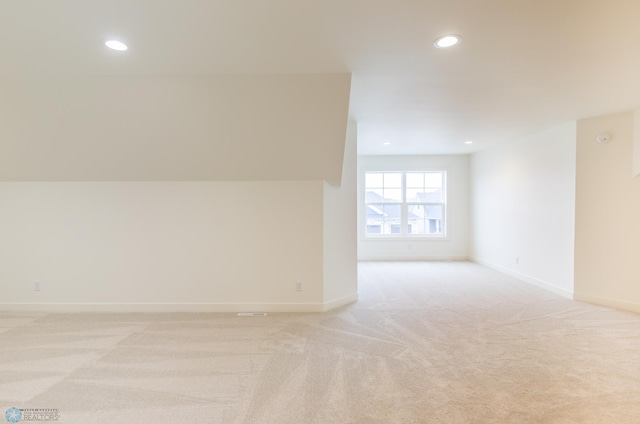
(404, 221)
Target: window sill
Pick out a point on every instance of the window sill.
(404, 238)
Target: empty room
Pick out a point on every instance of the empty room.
(354, 212)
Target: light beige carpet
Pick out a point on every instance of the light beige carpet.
(430, 342)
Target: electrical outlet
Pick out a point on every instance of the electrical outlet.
(517, 260)
(36, 286)
(299, 286)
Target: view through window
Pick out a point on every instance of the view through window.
(405, 203)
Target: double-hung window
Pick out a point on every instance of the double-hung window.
(405, 203)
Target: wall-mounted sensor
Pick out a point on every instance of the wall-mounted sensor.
(603, 138)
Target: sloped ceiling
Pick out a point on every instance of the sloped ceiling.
(114, 128)
(522, 66)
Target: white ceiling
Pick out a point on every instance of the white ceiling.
(523, 64)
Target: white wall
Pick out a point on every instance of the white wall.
(636, 144)
(214, 246)
(339, 241)
(455, 245)
(607, 266)
(523, 205)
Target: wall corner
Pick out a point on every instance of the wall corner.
(635, 171)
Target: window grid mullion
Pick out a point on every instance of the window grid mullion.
(403, 210)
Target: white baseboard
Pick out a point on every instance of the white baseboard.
(411, 258)
(177, 307)
(342, 301)
(608, 302)
(560, 291)
(162, 307)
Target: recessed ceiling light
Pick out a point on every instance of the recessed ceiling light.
(446, 41)
(468, 142)
(116, 45)
(386, 143)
